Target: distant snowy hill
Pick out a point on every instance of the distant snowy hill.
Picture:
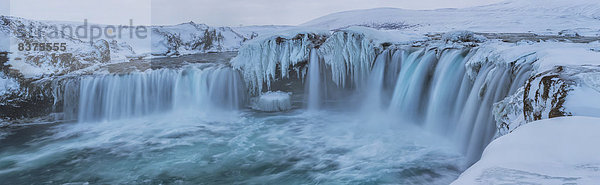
(513, 16)
(161, 41)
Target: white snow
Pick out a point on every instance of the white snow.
(190, 39)
(569, 54)
(4, 41)
(462, 35)
(273, 102)
(545, 54)
(553, 151)
(584, 100)
(513, 16)
(7, 85)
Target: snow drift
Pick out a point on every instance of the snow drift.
(550, 151)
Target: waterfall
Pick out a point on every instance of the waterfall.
(314, 81)
(433, 89)
(447, 91)
(117, 96)
(412, 85)
(375, 83)
(447, 77)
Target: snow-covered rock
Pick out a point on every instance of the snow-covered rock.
(551, 151)
(160, 41)
(562, 91)
(273, 101)
(8, 86)
(79, 53)
(462, 36)
(190, 38)
(558, 70)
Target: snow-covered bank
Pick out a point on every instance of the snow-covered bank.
(552, 151)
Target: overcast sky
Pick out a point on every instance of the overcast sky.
(212, 12)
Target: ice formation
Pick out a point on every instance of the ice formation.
(350, 55)
(262, 59)
(273, 101)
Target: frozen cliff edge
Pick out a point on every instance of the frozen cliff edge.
(349, 53)
(550, 151)
(564, 83)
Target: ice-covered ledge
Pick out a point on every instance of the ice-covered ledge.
(551, 151)
(273, 102)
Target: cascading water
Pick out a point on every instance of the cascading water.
(375, 83)
(314, 81)
(412, 85)
(205, 87)
(448, 75)
(433, 89)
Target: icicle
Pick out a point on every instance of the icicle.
(350, 56)
(258, 60)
